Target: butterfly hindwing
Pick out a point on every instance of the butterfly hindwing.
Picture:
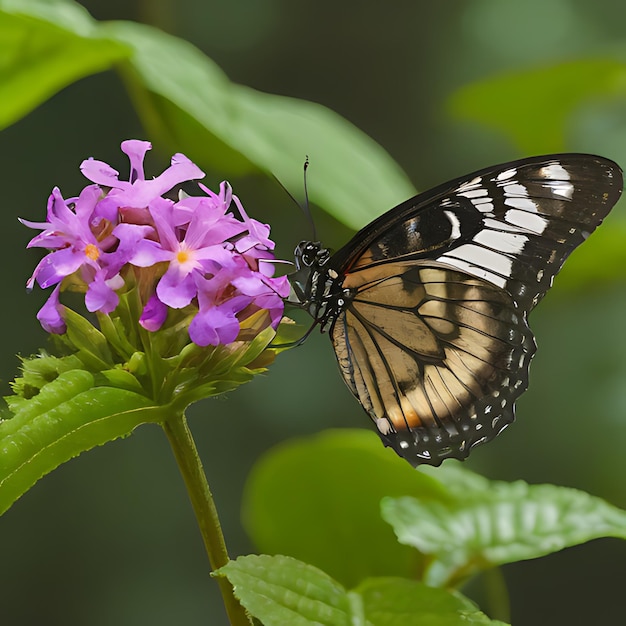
(436, 357)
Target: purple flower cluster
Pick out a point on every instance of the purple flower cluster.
(191, 252)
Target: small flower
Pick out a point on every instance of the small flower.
(68, 231)
(188, 256)
(50, 315)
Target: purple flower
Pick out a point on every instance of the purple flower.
(154, 314)
(50, 315)
(189, 254)
(138, 192)
(68, 233)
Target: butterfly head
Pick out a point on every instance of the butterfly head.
(311, 254)
(315, 285)
(310, 259)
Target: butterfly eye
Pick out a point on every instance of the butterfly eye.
(309, 253)
(322, 256)
(302, 254)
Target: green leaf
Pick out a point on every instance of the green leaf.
(186, 100)
(401, 602)
(318, 499)
(280, 590)
(64, 406)
(67, 417)
(45, 46)
(490, 523)
(37, 372)
(532, 107)
(190, 105)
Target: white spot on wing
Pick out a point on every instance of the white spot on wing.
(515, 189)
(497, 225)
(487, 264)
(474, 193)
(487, 259)
(503, 242)
(528, 221)
(470, 184)
(456, 225)
(557, 178)
(556, 171)
(562, 188)
(506, 174)
(526, 204)
(383, 425)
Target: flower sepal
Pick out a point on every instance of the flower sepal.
(84, 340)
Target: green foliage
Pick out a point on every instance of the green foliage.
(533, 107)
(318, 500)
(184, 99)
(490, 523)
(47, 45)
(458, 522)
(68, 416)
(281, 590)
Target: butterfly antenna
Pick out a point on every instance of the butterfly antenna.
(305, 209)
(296, 342)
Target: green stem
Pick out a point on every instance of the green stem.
(497, 594)
(190, 466)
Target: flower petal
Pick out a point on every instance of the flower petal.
(153, 314)
(49, 315)
(176, 289)
(101, 173)
(100, 296)
(53, 268)
(214, 326)
(135, 150)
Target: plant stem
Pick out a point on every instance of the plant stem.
(190, 466)
(497, 594)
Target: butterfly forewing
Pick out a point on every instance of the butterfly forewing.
(512, 225)
(428, 304)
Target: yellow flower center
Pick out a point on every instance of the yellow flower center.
(92, 252)
(182, 256)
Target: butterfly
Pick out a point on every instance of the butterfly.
(427, 306)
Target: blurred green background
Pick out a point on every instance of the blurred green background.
(110, 538)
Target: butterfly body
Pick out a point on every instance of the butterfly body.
(427, 306)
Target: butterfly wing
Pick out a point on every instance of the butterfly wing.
(434, 340)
